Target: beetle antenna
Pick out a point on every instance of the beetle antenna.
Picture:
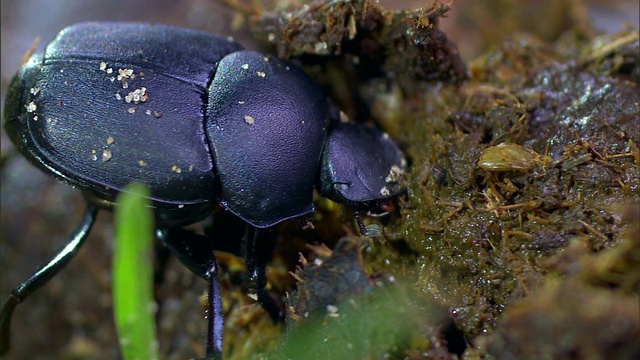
(363, 229)
(369, 230)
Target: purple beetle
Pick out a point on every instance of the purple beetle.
(201, 122)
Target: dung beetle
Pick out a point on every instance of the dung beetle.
(203, 123)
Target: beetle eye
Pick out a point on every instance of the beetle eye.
(341, 186)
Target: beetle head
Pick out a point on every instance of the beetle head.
(361, 167)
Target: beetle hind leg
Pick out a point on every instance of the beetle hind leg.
(196, 253)
(259, 247)
(42, 276)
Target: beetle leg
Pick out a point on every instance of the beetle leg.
(259, 247)
(161, 257)
(195, 251)
(42, 276)
(216, 316)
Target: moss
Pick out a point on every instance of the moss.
(485, 236)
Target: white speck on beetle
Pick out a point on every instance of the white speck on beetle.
(142, 163)
(148, 112)
(103, 66)
(245, 66)
(180, 206)
(384, 191)
(118, 96)
(31, 107)
(261, 73)
(110, 140)
(106, 155)
(109, 71)
(176, 169)
(35, 118)
(394, 174)
(34, 91)
(249, 120)
(266, 58)
(241, 102)
(94, 155)
(131, 110)
(137, 96)
(344, 118)
(124, 74)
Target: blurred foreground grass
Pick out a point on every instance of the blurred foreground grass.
(134, 306)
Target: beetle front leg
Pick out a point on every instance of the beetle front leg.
(216, 316)
(259, 246)
(42, 276)
(195, 251)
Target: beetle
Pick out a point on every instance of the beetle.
(203, 123)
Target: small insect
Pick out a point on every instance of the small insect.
(230, 127)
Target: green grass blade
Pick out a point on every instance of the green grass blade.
(134, 306)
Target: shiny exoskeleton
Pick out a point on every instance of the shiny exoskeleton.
(202, 123)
